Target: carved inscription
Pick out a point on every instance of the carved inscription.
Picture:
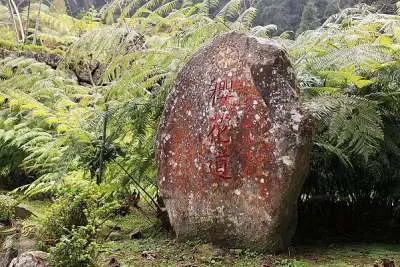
(226, 109)
(218, 135)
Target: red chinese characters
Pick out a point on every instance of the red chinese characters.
(218, 135)
(224, 109)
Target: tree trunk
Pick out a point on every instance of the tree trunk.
(13, 19)
(37, 23)
(27, 21)
(103, 145)
(21, 28)
(87, 3)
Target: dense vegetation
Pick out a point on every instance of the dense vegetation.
(297, 16)
(80, 100)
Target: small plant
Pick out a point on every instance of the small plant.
(64, 215)
(74, 224)
(7, 208)
(290, 263)
(77, 249)
(76, 208)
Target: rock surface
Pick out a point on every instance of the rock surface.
(233, 146)
(89, 57)
(10, 249)
(115, 236)
(136, 234)
(50, 59)
(22, 213)
(13, 247)
(31, 259)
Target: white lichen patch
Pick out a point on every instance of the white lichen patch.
(164, 137)
(286, 160)
(296, 116)
(220, 209)
(191, 197)
(207, 167)
(196, 164)
(213, 149)
(251, 136)
(269, 218)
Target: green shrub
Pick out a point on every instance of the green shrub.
(76, 249)
(7, 208)
(76, 207)
(64, 215)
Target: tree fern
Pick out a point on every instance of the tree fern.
(247, 18)
(35, 111)
(4, 14)
(354, 123)
(231, 10)
(165, 8)
(339, 68)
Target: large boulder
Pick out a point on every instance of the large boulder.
(31, 259)
(233, 146)
(14, 246)
(89, 57)
(9, 250)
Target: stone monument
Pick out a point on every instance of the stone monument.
(233, 146)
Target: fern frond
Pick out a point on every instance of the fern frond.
(339, 153)
(351, 56)
(231, 10)
(247, 18)
(165, 8)
(354, 123)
